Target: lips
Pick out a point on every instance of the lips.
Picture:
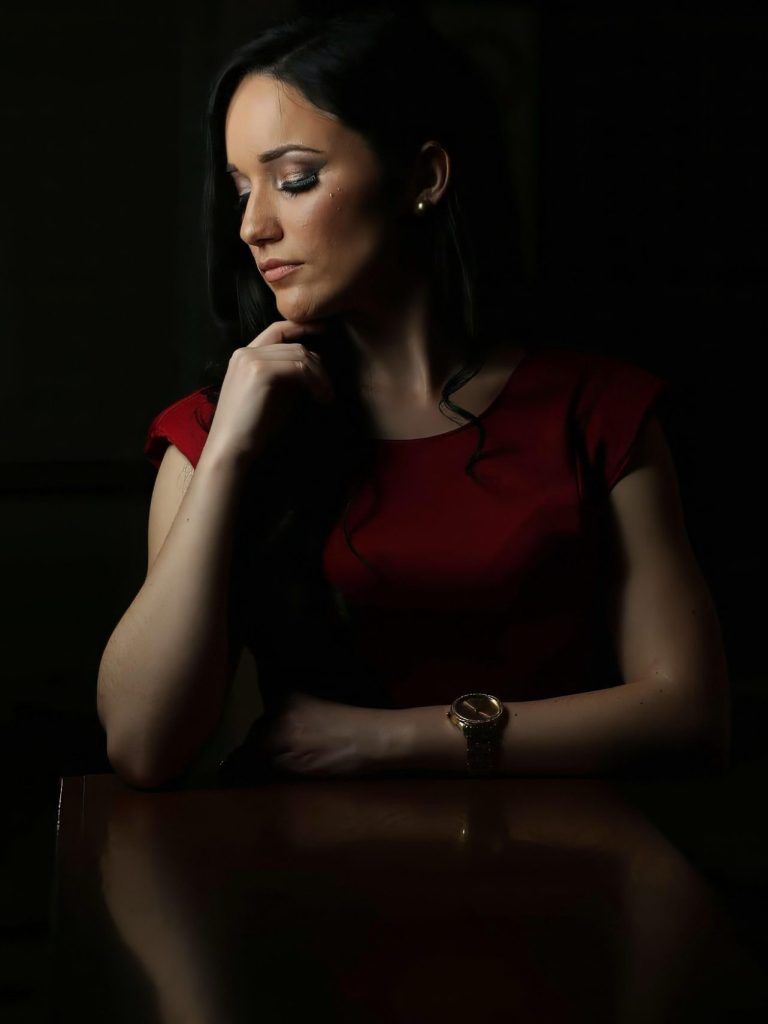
(279, 270)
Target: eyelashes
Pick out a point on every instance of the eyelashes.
(290, 187)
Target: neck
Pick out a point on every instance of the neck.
(404, 347)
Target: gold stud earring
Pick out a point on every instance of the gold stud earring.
(421, 206)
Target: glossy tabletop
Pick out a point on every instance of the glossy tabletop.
(407, 900)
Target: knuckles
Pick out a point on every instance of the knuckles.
(246, 354)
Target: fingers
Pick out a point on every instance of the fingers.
(289, 350)
(281, 341)
(311, 367)
(285, 331)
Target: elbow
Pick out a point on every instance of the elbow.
(136, 758)
(145, 759)
(137, 766)
(125, 755)
(137, 772)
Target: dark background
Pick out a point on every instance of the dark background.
(638, 144)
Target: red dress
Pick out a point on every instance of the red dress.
(497, 584)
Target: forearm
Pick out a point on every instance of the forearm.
(577, 734)
(163, 674)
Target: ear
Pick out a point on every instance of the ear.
(431, 173)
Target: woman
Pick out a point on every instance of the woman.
(310, 504)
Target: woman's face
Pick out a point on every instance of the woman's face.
(326, 210)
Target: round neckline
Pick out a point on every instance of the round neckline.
(525, 358)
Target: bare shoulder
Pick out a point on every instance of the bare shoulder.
(173, 479)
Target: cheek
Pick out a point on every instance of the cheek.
(341, 229)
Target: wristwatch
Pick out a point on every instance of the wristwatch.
(481, 718)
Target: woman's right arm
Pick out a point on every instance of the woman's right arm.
(166, 669)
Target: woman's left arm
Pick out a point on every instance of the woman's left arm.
(676, 698)
(674, 703)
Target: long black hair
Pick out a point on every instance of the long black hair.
(395, 80)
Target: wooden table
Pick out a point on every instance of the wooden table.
(406, 900)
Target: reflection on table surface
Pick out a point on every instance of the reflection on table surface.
(388, 900)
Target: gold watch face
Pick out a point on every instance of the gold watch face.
(478, 707)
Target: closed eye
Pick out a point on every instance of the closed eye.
(290, 187)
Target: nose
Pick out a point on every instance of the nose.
(259, 224)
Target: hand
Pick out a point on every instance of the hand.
(262, 381)
(315, 736)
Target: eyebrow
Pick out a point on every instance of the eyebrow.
(273, 154)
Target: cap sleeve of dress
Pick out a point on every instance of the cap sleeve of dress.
(616, 400)
(184, 424)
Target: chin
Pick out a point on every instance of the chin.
(300, 308)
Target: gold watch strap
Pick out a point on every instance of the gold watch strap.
(482, 750)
